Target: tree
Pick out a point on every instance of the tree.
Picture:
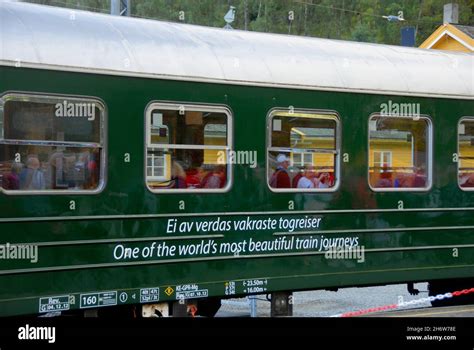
(363, 33)
(359, 20)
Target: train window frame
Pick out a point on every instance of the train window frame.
(195, 107)
(429, 158)
(330, 114)
(465, 189)
(60, 98)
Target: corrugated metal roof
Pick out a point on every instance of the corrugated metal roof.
(313, 132)
(390, 135)
(55, 38)
(468, 30)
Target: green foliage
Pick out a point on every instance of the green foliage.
(336, 19)
(363, 33)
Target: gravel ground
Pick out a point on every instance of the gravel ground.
(325, 303)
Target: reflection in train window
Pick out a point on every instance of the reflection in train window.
(466, 154)
(399, 153)
(382, 158)
(303, 151)
(51, 144)
(187, 148)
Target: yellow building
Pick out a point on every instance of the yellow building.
(313, 138)
(452, 37)
(215, 135)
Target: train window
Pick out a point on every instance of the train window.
(51, 144)
(399, 153)
(187, 148)
(466, 154)
(303, 151)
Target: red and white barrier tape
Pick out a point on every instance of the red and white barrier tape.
(406, 303)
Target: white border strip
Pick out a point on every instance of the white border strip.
(231, 82)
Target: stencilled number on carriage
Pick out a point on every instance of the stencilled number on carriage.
(345, 157)
(455, 158)
(182, 110)
(17, 63)
(291, 110)
(455, 252)
(290, 300)
(291, 205)
(72, 205)
(126, 157)
(400, 205)
(17, 158)
(89, 300)
(182, 205)
(181, 16)
(400, 299)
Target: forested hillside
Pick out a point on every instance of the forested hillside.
(359, 20)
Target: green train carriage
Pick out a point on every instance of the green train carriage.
(137, 161)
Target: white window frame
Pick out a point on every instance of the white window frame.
(302, 163)
(327, 114)
(155, 177)
(205, 108)
(429, 150)
(463, 119)
(53, 99)
(382, 153)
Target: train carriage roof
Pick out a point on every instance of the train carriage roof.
(71, 40)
